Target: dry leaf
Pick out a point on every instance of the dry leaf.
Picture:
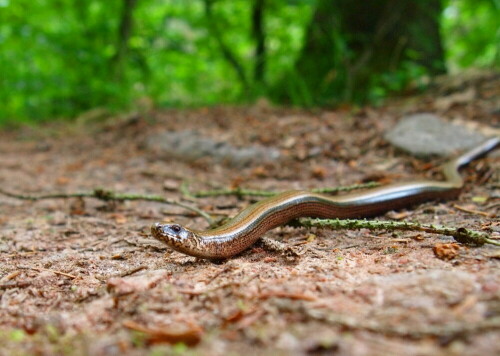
(260, 172)
(171, 184)
(161, 334)
(77, 207)
(480, 199)
(119, 218)
(62, 180)
(398, 215)
(318, 172)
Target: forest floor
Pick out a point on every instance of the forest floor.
(84, 277)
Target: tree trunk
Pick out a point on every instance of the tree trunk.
(349, 44)
(260, 41)
(124, 33)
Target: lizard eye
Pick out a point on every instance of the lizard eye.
(176, 228)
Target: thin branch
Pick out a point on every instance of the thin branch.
(107, 195)
(39, 269)
(259, 35)
(462, 235)
(346, 188)
(124, 33)
(241, 192)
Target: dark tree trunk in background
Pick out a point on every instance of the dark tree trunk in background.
(260, 43)
(349, 43)
(124, 33)
(227, 53)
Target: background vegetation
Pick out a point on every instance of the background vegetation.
(60, 58)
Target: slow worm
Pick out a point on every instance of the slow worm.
(251, 223)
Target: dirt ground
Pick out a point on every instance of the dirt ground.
(84, 277)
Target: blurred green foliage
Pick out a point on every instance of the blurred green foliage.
(57, 57)
(471, 30)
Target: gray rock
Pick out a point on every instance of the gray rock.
(190, 146)
(425, 135)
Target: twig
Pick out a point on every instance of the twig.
(227, 268)
(39, 269)
(10, 285)
(472, 211)
(346, 188)
(221, 286)
(207, 290)
(288, 295)
(240, 192)
(133, 270)
(462, 235)
(108, 195)
(10, 276)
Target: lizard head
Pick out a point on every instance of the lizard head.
(177, 237)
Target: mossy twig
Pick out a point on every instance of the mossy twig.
(241, 192)
(108, 195)
(462, 235)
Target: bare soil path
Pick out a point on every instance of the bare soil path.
(84, 277)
